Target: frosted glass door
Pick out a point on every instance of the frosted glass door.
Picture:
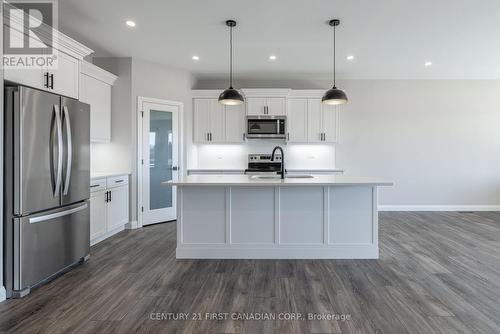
(160, 150)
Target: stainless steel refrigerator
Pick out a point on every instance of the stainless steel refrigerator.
(46, 186)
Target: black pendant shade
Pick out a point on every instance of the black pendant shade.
(231, 97)
(334, 96)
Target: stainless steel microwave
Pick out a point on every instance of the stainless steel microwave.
(272, 127)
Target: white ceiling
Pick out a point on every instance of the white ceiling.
(389, 38)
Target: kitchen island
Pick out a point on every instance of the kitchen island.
(258, 217)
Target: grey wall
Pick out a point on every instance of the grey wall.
(137, 78)
(438, 140)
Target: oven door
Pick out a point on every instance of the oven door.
(269, 127)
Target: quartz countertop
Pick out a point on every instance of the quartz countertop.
(247, 180)
(97, 175)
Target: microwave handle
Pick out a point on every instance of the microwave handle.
(279, 125)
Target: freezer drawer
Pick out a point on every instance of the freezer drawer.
(49, 242)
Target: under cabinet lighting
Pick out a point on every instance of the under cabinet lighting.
(130, 23)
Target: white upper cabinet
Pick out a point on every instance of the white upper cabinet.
(256, 106)
(309, 121)
(61, 78)
(95, 89)
(273, 106)
(201, 120)
(276, 106)
(297, 121)
(330, 123)
(215, 123)
(235, 124)
(64, 78)
(314, 121)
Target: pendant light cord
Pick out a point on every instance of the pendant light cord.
(230, 57)
(334, 57)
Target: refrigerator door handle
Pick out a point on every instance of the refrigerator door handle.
(57, 214)
(59, 151)
(67, 178)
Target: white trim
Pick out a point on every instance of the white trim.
(132, 225)
(439, 207)
(314, 252)
(98, 73)
(140, 102)
(3, 293)
(267, 92)
(307, 93)
(106, 235)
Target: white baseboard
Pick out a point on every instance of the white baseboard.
(439, 207)
(300, 252)
(134, 224)
(106, 235)
(3, 293)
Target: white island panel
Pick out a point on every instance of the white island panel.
(252, 215)
(351, 215)
(302, 216)
(203, 215)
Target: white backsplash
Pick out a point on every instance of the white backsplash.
(236, 156)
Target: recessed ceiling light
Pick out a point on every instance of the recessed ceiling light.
(130, 23)
(272, 57)
(428, 63)
(195, 58)
(350, 57)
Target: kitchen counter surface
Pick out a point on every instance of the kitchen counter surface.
(241, 171)
(247, 180)
(110, 174)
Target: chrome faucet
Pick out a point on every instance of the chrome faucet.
(282, 160)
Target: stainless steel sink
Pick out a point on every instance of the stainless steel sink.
(277, 177)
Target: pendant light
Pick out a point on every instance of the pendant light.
(334, 96)
(231, 96)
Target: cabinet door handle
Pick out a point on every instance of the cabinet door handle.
(208, 137)
(46, 80)
(288, 136)
(244, 136)
(323, 136)
(52, 81)
(110, 195)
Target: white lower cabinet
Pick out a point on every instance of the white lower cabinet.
(109, 206)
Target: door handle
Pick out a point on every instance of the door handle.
(57, 214)
(52, 81)
(67, 178)
(46, 80)
(59, 150)
(110, 198)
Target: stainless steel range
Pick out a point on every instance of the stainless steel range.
(261, 164)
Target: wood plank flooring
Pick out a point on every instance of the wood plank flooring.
(437, 273)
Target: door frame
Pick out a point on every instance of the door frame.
(140, 111)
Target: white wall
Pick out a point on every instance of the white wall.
(438, 140)
(137, 78)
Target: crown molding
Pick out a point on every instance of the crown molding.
(98, 73)
(59, 40)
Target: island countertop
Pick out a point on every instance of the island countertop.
(247, 180)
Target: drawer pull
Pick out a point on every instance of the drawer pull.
(118, 181)
(94, 185)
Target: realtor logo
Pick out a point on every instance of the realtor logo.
(29, 34)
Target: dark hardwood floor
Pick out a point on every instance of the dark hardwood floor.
(437, 273)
